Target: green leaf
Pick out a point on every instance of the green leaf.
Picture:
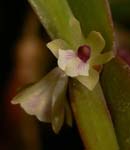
(92, 117)
(116, 86)
(58, 20)
(94, 16)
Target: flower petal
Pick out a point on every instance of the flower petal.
(96, 42)
(37, 99)
(77, 67)
(68, 115)
(58, 103)
(102, 58)
(89, 81)
(57, 44)
(64, 57)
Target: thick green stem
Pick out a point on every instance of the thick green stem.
(58, 20)
(92, 117)
(116, 86)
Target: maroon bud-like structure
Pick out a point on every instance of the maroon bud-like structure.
(84, 53)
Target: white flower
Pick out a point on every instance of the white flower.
(81, 63)
(47, 100)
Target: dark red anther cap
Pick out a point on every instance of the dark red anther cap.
(84, 53)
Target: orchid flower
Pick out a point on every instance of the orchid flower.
(82, 63)
(47, 99)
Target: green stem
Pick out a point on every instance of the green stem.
(92, 117)
(58, 20)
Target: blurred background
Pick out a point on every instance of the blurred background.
(24, 59)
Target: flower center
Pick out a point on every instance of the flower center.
(84, 52)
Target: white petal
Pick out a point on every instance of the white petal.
(77, 67)
(37, 99)
(64, 57)
(59, 93)
(57, 44)
(89, 81)
(39, 106)
(58, 103)
(83, 69)
(68, 114)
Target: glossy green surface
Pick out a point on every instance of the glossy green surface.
(92, 117)
(94, 15)
(116, 86)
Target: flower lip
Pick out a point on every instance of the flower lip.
(84, 53)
